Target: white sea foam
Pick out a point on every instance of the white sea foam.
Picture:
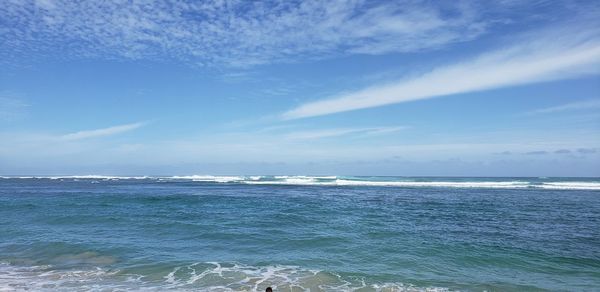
(74, 177)
(571, 185)
(207, 178)
(195, 277)
(313, 181)
(300, 180)
(43, 278)
(445, 184)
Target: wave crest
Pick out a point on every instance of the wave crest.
(356, 181)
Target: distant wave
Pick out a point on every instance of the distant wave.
(76, 177)
(407, 182)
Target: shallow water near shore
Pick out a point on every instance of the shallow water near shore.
(299, 233)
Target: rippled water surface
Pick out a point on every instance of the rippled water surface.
(299, 233)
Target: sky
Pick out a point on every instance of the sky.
(408, 88)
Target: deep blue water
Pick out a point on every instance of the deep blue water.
(223, 234)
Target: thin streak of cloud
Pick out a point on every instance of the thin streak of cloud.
(580, 105)
(386, 130)
(328, 133)
(539, 59)
(101, 132)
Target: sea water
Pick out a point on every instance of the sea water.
(299, 233)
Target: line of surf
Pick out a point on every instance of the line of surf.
(346, 181)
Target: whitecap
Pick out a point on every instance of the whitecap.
(210, 276)
(300, 180)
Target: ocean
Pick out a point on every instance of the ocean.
(299, 233)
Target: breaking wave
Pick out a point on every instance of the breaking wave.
(406, 182)
(195, 277)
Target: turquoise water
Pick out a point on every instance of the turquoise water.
(298, 233)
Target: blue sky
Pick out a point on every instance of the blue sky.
(504, 88)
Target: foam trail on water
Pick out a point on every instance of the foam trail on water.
(209, 276)
(207, 178)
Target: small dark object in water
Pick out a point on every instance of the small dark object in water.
(269, 289)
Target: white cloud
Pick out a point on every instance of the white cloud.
(101, 132)
(579, 105)
(48, 152)
(236, 32)
(327, 133)
(557, 55)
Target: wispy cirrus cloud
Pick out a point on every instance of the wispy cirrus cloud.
(559, 151)
(534, 59)
(239, 33)
(573, 106)
(101, 132)
(328, 133)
